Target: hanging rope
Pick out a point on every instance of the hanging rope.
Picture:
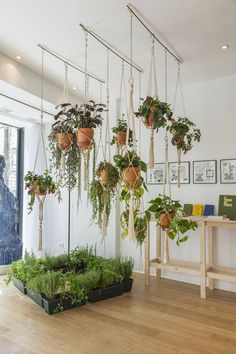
(152, 82)
(179, 84)
(107, 127)
(139, 121)
(85, 66)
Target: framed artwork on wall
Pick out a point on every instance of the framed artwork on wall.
(184, 172)
(205, 172)
(228, 171)
(156, 176)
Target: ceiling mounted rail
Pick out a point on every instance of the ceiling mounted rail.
(175, 56)
(112, 49)
(70, 63)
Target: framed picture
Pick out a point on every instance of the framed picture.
(184, 172)
(205, 172)
(156, 176)
(228, 171)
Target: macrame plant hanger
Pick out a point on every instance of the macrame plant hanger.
(166, 172)
(41, 198)
(120, 114)
(131, 125)
(86, 151)
(179, 84)
(106, 154)
(152, 92)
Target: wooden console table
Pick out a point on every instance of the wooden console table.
(207, 227)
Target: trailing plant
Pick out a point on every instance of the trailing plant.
(154, 113)
(121, 127)
(40, 184)
(184, 134)
(174, 224)
(65, 162)
(102, 192)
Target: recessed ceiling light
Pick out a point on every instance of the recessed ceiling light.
(225, 46)
(18, 57)
(74, 88)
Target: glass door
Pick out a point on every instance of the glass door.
(11, 193)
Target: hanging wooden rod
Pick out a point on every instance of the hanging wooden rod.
(70, 63)
(112, 49)
(177, 58)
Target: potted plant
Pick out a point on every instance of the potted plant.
(130, 166)
(40, 185)
(169, 216)
(184, 133)
(120, 133)
(127, 266)
(102, 191)
(63, 128)
(88, 117)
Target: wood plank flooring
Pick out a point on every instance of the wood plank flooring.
(168, 318)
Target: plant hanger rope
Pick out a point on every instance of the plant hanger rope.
(41, 199)
(107, 127)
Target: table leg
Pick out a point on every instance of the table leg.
(211, 253)
(203, 260)
(158, 249)
(147, 256)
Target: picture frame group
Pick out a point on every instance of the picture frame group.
(204, 172)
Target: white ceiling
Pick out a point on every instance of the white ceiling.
(196, 29)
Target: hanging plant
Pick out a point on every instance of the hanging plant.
(102, 191)
(87, 118)
(40, 185)
(154, 115)
(169, 216)
(65, 159)
(130, 166)
(120, 133)
(184, 134)
(141, 221)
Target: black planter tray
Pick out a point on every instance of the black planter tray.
(35, 297)
(106, 293)
(58, 305)
(19, 285)
(128, 285)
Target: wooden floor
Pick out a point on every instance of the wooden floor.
(167, 318)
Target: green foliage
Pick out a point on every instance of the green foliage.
(121, 127)
(64, 119)
(129, 159)
(161, 112)
(83, 255)
(178, 225)
(45, 184)
(184, 134)
(112, 174)
(88, 115)
(51, 284)
(141, 221)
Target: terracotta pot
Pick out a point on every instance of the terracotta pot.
(37, 191)
(84, 137)
(165, 219)
(131, 176)
(103, 177)
(121, 138)
(64, 140)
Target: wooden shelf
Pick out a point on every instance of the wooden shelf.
(222, 273)
(185, 267)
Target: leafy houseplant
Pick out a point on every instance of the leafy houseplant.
(184, 134)
(154, 113)
(120, 132)
(40, 185)
(66, 159)
(130, 166)
(102, 191)
(168, 214)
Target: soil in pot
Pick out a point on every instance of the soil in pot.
(128, 285)
(84, 137)
(19, 285)
(121, 138)
(106, 293)
(165, 219)
(58, 305)
(131, 176)
(64, 140)
(35, 297)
